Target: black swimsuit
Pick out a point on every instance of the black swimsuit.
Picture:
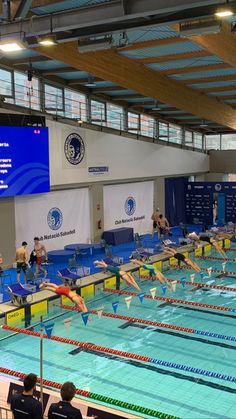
(180, 257)
(205, 239)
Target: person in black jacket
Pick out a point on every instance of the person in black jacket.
(25, 405)
(64, 408)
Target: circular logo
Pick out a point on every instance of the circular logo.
(130, 205)
(218, 187)
(74, 148)
(55, 218)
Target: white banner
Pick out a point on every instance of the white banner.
(129, 205)
(57, 218)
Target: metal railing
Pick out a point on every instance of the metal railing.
(5, 413)
(62, 102)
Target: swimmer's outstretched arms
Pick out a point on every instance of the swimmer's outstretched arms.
(126, 276)
(66, 291)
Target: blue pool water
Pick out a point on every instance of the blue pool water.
(184, 394)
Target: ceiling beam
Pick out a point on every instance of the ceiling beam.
(43, 3)
(111, 16)
(221, 44)
(109, 65)
(27, 60)
(23, 9)
(194, 68)
(127, 97)
(173, 57)
(58, 70)
(153, 43)
(82, 80)
(209, 79)
(219, 88)
(225, 97)
(142, 104)
(107, 89)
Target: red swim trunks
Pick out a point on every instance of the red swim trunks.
(63, 291)
(39, 260)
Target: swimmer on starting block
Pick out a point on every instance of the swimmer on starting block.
(127, 277)
(67, 292)
(210, 240)
(181, 258)
(155, 273)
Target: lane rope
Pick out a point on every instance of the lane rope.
(129, 355)
(154, 323)
(220, 271)
(97, 397)
(173, 300)
(195, 284)
(216, 258)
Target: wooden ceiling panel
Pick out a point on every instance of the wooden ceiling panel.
(209, 79)
(109, 65)
(173, 57)
(222, 44)
(192, 69)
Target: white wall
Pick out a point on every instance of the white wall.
(126, 158)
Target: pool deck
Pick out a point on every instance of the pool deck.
(96, 278)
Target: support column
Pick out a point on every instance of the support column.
(96, 211)
(7, 230)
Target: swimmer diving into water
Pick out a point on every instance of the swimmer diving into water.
(181, 258)
(155, 273)
(67, 292)
(210, 240)
(127, 277)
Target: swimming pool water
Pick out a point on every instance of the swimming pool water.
(184, 394)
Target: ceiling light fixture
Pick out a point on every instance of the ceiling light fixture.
(224, 11)
(156, 107)
(203, 124)
(48, 41)
(11, 45)
(99, 43)
(91, 82)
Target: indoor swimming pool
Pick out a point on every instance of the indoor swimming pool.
(198, 350)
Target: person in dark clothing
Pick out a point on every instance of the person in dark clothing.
(64, 408)
(25, 405)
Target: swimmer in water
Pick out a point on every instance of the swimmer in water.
(181, 258)
(67, 292)
(127, 277)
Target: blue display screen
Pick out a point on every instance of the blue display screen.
(24, 161)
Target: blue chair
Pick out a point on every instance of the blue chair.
(111, 262)
(19, 294)
(68, 277)
(3, 276)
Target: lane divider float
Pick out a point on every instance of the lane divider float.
(96, 397)
(173, 300)
(216, 258)
(196, 284)
(156, 324)
(220, 271)
(123, 354)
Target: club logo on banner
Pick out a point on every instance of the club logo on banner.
(55, 218)
(74, 149)
(130, 205)
(218, 187)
